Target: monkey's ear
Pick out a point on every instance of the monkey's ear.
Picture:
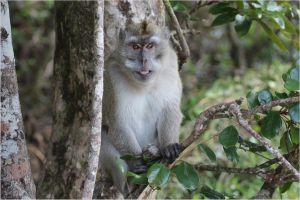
(122, 35)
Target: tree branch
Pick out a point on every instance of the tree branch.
(250, 170)
(235, 110)
(203, 120)
(185, 51)
(281, 102)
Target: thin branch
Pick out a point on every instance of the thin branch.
(249, 170)
(235, 109)
(281, 102)
(185, 51)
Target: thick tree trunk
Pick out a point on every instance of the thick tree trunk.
(16, 179)
(78, 88)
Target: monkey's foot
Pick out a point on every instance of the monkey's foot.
(171, 152)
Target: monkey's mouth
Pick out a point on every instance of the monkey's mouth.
(144, 73)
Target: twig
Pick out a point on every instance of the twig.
(235, 109)
(185, 51)
(281, 102)
(249, 170)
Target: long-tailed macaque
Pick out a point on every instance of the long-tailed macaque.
(141, 103)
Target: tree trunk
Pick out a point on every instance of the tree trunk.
(78, 88)
(16, 179)
(74, 65)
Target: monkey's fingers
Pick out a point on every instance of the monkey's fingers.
(171, 152)
(139, 169)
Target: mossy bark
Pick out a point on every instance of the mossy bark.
(75, 63)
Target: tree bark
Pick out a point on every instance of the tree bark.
(16, 179)
(78, 88)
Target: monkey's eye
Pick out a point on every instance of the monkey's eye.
(149, 45)
(136, 46)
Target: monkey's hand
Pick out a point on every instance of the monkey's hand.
(171, 152)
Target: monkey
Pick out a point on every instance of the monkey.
(141, 101)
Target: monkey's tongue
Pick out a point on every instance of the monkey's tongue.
(144, 72)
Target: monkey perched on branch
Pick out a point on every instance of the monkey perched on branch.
(142, 94)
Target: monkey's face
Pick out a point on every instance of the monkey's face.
(142, 55)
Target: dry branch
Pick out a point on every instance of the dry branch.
(235, 109)
(249, 170)
(185, 51)
(203, 120)
(281, 102)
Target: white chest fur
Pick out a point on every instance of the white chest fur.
(140, 108)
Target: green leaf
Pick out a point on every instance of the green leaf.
(295, 134)
(286, 144)
(240, 4)
(224, 18)
(252, 99)
(253, 147)
(220, 8)
(280, 22)
(272, 35)
(194, 18)
(271, 125)
(282, 95)
(231, 153)
(289, 27)
(186, 175)
(179, 7)
(285, 187)
(242, 24)
(291, 79)
(264, 97)
(294, 112)
(139, 179)
(205, 149)
(158, 175)
(210, 193)
(229, 136)
(291, 85)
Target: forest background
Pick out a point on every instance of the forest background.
(223, 66)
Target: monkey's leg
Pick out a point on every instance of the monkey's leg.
(112, 163)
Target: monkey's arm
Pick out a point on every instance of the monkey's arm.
(168, 131)
(125, 141)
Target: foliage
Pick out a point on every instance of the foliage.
(271, 16)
